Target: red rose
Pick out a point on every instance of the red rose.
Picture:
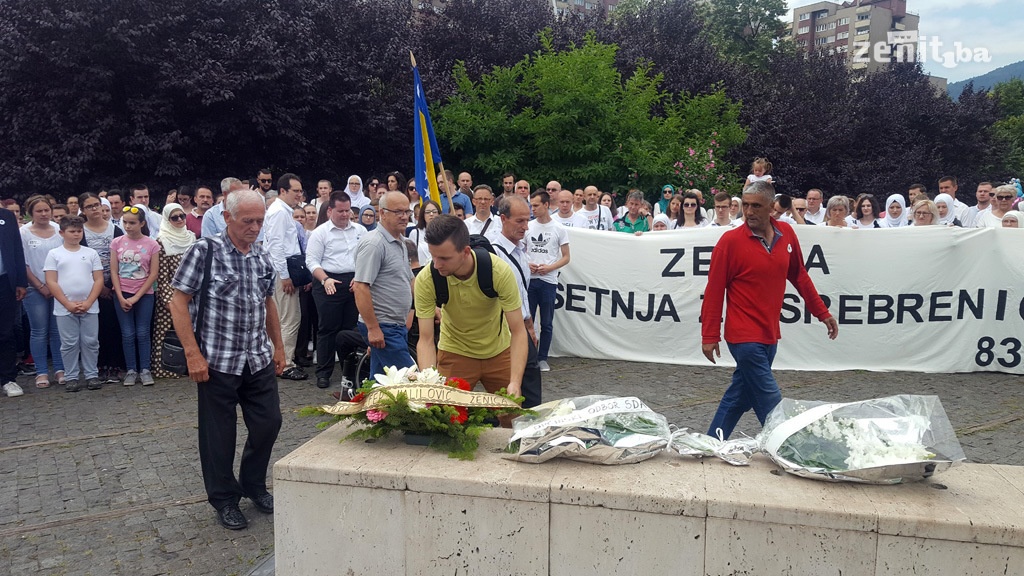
(459, 383)
(461, 415)
(358, 397)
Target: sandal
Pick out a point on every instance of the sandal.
(42, 381)
(59, 376)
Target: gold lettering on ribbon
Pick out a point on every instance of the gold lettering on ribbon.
(424, 394)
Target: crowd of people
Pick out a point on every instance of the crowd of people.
(100, 265)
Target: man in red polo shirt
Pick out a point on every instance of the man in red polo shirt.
(752, 263)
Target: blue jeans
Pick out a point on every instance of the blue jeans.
(543, 294)
(135, 325)
(43, 331)
(753, 386)
(395, 351)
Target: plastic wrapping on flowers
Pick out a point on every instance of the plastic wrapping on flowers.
(595, 429)
(887, 440)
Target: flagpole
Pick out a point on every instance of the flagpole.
(447, 183)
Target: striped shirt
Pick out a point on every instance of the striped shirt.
(235, 322)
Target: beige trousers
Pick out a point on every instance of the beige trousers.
(290, 314)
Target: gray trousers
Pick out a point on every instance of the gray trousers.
(79, 337)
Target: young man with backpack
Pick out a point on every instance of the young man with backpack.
(483, 337)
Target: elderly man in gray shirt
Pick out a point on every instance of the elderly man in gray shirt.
(383, 286)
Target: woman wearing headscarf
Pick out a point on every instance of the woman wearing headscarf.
(174, 239)
(895, 212)
(667, 192)
(355, 192)
(1013, 219)
(947, 216)
(368, 218)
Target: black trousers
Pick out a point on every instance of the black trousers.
(111, 350)
(334, 314)
(8, 355)
(307, 323)
(531, 377)
(261, 411)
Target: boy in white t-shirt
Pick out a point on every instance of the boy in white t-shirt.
(547, 247)
(598, 217)
(564, 215)
(74, 275)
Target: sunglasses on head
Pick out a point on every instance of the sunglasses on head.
(131, 209)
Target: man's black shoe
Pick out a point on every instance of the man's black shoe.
(323, 382)
(232, 518)
(304, 361)
(264, 502)
(294, 374)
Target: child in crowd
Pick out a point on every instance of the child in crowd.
(760, 171)
(134, 266)
(74, 275)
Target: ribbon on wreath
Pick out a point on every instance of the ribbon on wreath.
(421, 393)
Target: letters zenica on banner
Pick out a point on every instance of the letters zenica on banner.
(920, 299)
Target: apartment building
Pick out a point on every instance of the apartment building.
(869, 32)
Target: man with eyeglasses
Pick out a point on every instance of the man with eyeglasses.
(723, 201)
(281, 241)
(815, 212)
(383, 286)
(265, 180)
(799, 209)
(483, 222)
(1004, 196)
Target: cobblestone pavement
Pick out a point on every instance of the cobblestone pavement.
(108, 482)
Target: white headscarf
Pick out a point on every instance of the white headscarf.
(359, 199)
(664, 219)
(1015, 215)
(174, 240)
(950, 212)
(901, 220)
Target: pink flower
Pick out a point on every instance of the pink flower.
(692, 151)
(375, 415)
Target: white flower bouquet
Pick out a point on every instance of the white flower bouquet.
(887, 440)
(596, 429)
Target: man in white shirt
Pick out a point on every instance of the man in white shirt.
(815, 212)
(281, 241)
(1004, 197)
(723, 201)
(482, 221)
(548, 244)
(330, 257)
(564, 216)
(140, 195)
(949, 185)
(598, 217)
(984, 196)
(511, 247)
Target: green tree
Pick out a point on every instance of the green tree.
(745, 30)
(571, 116)
(1009, 129)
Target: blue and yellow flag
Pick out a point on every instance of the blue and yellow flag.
(427, 153)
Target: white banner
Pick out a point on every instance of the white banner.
(917, 299)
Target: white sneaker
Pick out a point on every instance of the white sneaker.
(147, 377)
(130, 378)
(12, 389)
(544, 366)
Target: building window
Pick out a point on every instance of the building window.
(805, 16)
(861, 17)
(820, 41)
(803, 30)
(821, 27)
(830, 39)
(844, 21)
(842, 36)
(579, 2)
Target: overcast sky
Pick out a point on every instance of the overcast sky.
(995, 25)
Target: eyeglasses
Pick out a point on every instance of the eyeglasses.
(551, 190)
(265, 180)
(91, 206)
(922, 214)
(689, 204)
(429, 212)
(131, 209)
(177, 218)
(398, 212)
(1004, 197)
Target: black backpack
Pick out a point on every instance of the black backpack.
(484, 271)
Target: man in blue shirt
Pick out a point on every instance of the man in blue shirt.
(458, 196)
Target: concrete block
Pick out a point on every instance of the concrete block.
(586, 540)
(665, 484)
(332, 529)
(742, 547)
(899, 556)
(467, 535)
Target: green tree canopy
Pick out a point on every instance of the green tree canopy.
(571, 116)
(745, 30)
